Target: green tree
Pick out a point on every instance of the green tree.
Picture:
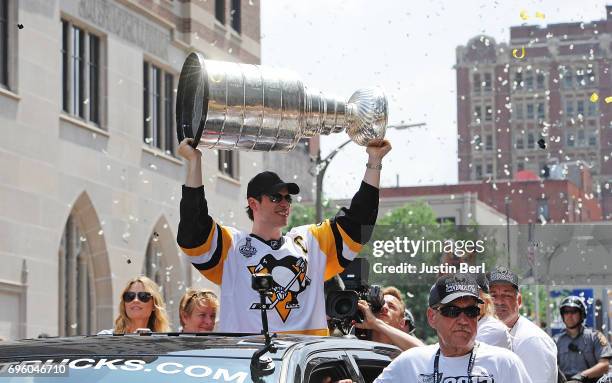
(415, 221)
(305, 214)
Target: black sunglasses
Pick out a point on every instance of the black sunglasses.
(143, 296)
(454, 311)
(277, 197)
(569, 311)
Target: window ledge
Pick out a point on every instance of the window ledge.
(219, 27)
(235, 35)
(160, 154)
(228, 179)
(9, 94)
(83, 124)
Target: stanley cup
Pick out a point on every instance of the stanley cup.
(226, 105)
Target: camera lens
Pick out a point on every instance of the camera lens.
(343, 306)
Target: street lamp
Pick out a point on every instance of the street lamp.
(320, 166)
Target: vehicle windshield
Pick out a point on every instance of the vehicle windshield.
(148, 369)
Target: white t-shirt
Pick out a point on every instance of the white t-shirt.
(493, 332)
(536, 349)
(491, 365)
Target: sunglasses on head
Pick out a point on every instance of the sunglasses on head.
(143, 296)
(454, 311)
(277, 197)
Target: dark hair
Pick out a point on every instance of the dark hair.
(249, 211)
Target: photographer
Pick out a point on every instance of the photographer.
(388, 325)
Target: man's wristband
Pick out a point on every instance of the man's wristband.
(373, 166)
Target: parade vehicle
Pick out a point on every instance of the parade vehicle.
(190, 357)
(204, 357)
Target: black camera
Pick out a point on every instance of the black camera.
(262, 282)
(341, 305)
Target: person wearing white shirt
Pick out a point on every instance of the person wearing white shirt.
(536, 349)
(491, 330)
(457, 357)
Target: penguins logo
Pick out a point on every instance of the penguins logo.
(289, 275)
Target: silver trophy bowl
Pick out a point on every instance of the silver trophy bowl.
(225, 105)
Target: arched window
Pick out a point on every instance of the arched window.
(155, 266)
(77, 309)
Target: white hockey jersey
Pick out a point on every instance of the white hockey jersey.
(308, 256)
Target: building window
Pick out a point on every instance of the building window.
(568, 79)
(488, 113)
(580, 77)
(477, 113)
(489, 169)
(530, 140)
(80, 73)
(220, 11)
(228, 163)
(569, 108)
(592, 138)
(158, 113)
(590, 76)
(155, 266)
(530, 112)
(520, 142)
(541, 112)
(518, 111)
(580, 107)
(592, 109)
(540, 81)
(570, 140)
(518, 80)
(235, 14)
(520, 166)
(487, 82)
(4, 44)
(478, 171)
(476, 82)
(543, 213)
(581, 138)
(489, 142)
(76, 285)
(529, 80)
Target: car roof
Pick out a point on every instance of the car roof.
(175, 344)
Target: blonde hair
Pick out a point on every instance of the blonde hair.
(394, 292)
(488, 306)
(196, 296)
(158, 321)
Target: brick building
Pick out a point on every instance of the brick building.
(507, 102)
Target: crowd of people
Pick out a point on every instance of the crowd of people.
(481, 334)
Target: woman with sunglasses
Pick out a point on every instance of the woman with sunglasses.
(141, 306)
(198, 310)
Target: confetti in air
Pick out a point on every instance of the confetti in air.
(516, 55)
(524, 15)
(20, 26)
(594, 97)
(540, 15)
(608, 99)
(542, 143)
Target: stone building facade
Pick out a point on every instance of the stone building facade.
(90, 181)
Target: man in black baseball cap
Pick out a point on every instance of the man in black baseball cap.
(453, 312)
(536, 349)
(229, 257)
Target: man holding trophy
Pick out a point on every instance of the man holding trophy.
(247, 107)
